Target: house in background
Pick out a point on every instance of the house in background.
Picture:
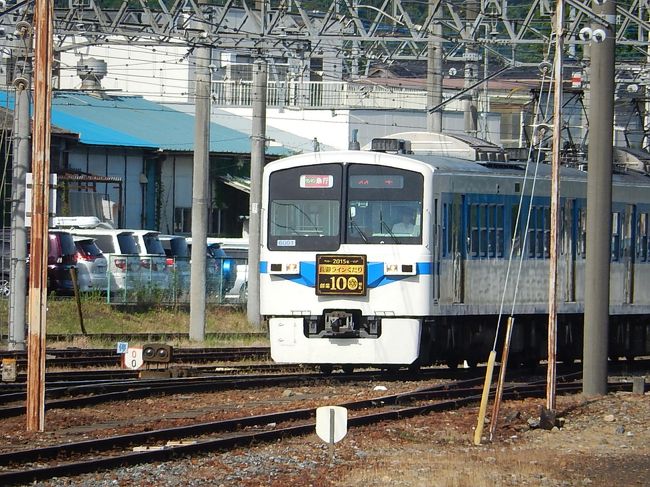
(129, 160)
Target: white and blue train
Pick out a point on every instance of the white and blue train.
(374, 258)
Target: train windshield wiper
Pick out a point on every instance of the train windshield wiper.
(384, 225)
(286, 227)
(354, 225)
(301, 212)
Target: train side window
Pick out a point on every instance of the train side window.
(616, 236)
(534, 240)
(483, 222)
(515, 231)
(582, 232)
(499, 230)
(473, 230)
(446, 230)
(486, 230)
(642, 238)
(539, 233)
(547, 232)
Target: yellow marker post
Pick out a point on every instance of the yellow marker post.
(484, 399)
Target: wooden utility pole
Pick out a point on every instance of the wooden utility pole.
(40, 211)
(555, 206)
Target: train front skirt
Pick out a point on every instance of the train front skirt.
(398, 344)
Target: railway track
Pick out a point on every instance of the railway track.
(77, 357)
(163, 444)
(82, 393)
(154, 337)
(72, 389)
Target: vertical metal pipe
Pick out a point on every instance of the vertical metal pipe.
(40, 208)
(555, 206)
(434, 73)
(20, 167)
(258, 136)
(599, 204)
(200, 175)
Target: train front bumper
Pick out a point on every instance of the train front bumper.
(398, 344)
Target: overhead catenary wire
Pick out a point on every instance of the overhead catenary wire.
(522, 249)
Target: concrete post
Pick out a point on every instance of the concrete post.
(258, 146)
(200, 175)
(599, 204)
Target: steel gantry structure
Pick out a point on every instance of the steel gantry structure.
(354, 29)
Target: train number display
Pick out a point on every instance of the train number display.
(341, 275)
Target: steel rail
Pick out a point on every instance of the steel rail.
(77, 358)
(450, 398)
(149, 387)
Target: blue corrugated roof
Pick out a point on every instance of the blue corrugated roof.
(133, 121)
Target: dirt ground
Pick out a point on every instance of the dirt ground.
(604, 441)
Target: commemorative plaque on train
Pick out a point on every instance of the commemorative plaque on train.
(341, 275)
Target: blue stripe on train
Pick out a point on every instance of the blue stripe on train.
(376, 277)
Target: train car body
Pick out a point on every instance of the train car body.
(373, 258)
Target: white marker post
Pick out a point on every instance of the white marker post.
(331, 425)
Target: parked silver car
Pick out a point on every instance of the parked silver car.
(121, 252)
(92, 266)
(153, 261)
(178, 261)
(237, 250)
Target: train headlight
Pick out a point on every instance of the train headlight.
(394, 269)
(285, 268)
(157, 353)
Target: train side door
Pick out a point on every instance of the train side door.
(569, 250)
(628, 252)
(436, 251)
(458, 247)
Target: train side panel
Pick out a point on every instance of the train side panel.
(439, 297)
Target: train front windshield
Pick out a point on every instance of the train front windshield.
(322, 206)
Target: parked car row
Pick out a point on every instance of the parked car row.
(121, 260)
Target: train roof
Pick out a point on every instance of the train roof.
(453, 165)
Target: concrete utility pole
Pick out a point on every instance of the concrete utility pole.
(472, 7)
(258, 146)
(35, 404)
(599, 202)
(200, 173)
(20, 167)
(434, 75)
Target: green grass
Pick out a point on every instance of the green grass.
(100, 317)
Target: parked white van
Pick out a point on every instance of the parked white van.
(121, 251)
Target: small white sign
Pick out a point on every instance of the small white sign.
(133, 358)
(286, 243)
(331, 423)
(122, 347)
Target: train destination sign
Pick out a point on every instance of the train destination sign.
(316, 181)
(342, 275)
(385, 181)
